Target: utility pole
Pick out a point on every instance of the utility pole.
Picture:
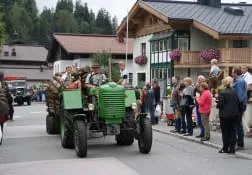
(110, 65)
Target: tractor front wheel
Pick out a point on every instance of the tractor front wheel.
(80, 138)
(145, 136)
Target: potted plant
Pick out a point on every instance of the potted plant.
(175, 55)
(141, 60)
(208, 54)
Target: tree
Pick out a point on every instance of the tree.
(20, 22)
(103, 22)
(1, 30)
(65, 22)
(114, 24)
(46, 27)
(102, 59)
(65, 5)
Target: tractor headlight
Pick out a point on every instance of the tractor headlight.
(134, 106)
(91, 107)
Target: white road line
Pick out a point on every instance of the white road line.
(38, 112)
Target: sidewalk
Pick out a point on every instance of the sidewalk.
(215, 142)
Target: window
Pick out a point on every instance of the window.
(240, 43)
(143, 45)
(165, 45)
(141, 78)
(161, 45)
(130, 78)
(156, 46)
(183, 44)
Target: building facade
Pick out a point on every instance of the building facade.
(191, 27)
(77, 50)
(25, 60)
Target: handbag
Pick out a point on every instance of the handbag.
(183, 102)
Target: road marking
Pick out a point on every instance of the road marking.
(17, 116)
(38, 112)
(97, 166)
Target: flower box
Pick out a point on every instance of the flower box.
(209, 54)
(175, 55)
(141, 60)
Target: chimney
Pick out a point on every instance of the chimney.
(13, 53)
(212, 3)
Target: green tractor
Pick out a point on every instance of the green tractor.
(108, 109)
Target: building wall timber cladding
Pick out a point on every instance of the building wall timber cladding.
(201, 40)
(137, 52)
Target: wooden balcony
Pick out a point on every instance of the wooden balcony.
(228, 57)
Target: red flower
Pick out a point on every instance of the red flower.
(175, 54)
(209, 54)
(141, 60)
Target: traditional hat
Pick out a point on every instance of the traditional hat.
(95, 66)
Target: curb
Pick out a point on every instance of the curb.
(209, 144)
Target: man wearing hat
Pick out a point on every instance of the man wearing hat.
(95, 78)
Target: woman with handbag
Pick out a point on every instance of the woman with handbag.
(187, 105)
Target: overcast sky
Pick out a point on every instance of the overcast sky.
(115, 7)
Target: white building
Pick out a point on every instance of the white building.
(77, 50)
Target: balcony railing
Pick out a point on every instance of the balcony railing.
(228, 56)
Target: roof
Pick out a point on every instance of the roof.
(24, 53)
(88, 44)
(212, 17)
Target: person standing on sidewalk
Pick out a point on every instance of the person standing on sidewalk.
(187, 105)
(240, 87)
(229, 112)
(175, 101)
(248, 78)
(205, 104)
(197, 92)
(156, 90)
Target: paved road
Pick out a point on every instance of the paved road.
(28, 150)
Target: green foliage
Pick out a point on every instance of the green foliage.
(1, 30)
(103, 60)
(21, 17)
(65, 22)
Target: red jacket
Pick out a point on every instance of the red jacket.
(205, 102)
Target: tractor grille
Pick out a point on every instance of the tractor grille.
(113, 104)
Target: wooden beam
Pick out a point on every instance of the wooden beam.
(153, 11)
(226, 43)
(132, 11)
(235, 37)
(136, 21)
(206, 29)
(142, 31)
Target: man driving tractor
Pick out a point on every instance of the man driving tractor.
(95, 78)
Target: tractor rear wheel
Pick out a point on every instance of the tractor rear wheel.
(65, 129)
(145, 137)
(80, 138)
(49, 124)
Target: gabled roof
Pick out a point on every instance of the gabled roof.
(88, 44)
(214, 21)
(32, 53)
(212, 17)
